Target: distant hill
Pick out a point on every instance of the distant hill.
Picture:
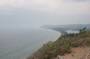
(63, 28)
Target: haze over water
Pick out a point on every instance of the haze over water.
(19, 20)
(17, 44)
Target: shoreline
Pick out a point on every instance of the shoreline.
(64, 45)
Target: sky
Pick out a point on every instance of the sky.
(36, 13)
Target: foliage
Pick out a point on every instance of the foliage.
(63, 45)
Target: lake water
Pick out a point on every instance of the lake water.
(18, 44)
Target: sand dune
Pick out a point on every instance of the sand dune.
(79, 53)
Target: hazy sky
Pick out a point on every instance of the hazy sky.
(33, 13)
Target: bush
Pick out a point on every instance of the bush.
(63, 45)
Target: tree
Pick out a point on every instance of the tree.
(83, 30)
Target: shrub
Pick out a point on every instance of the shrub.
(63, 45)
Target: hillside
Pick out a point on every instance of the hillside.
(63, 45)
(63, 28)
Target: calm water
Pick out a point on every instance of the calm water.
(18, 44)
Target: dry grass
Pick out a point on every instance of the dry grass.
(63, 45)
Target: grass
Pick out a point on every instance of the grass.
(62, 45)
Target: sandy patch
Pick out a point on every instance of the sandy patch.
(78, 53)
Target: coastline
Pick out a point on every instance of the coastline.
(63, 46)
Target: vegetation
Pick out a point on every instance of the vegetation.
(63, 45)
